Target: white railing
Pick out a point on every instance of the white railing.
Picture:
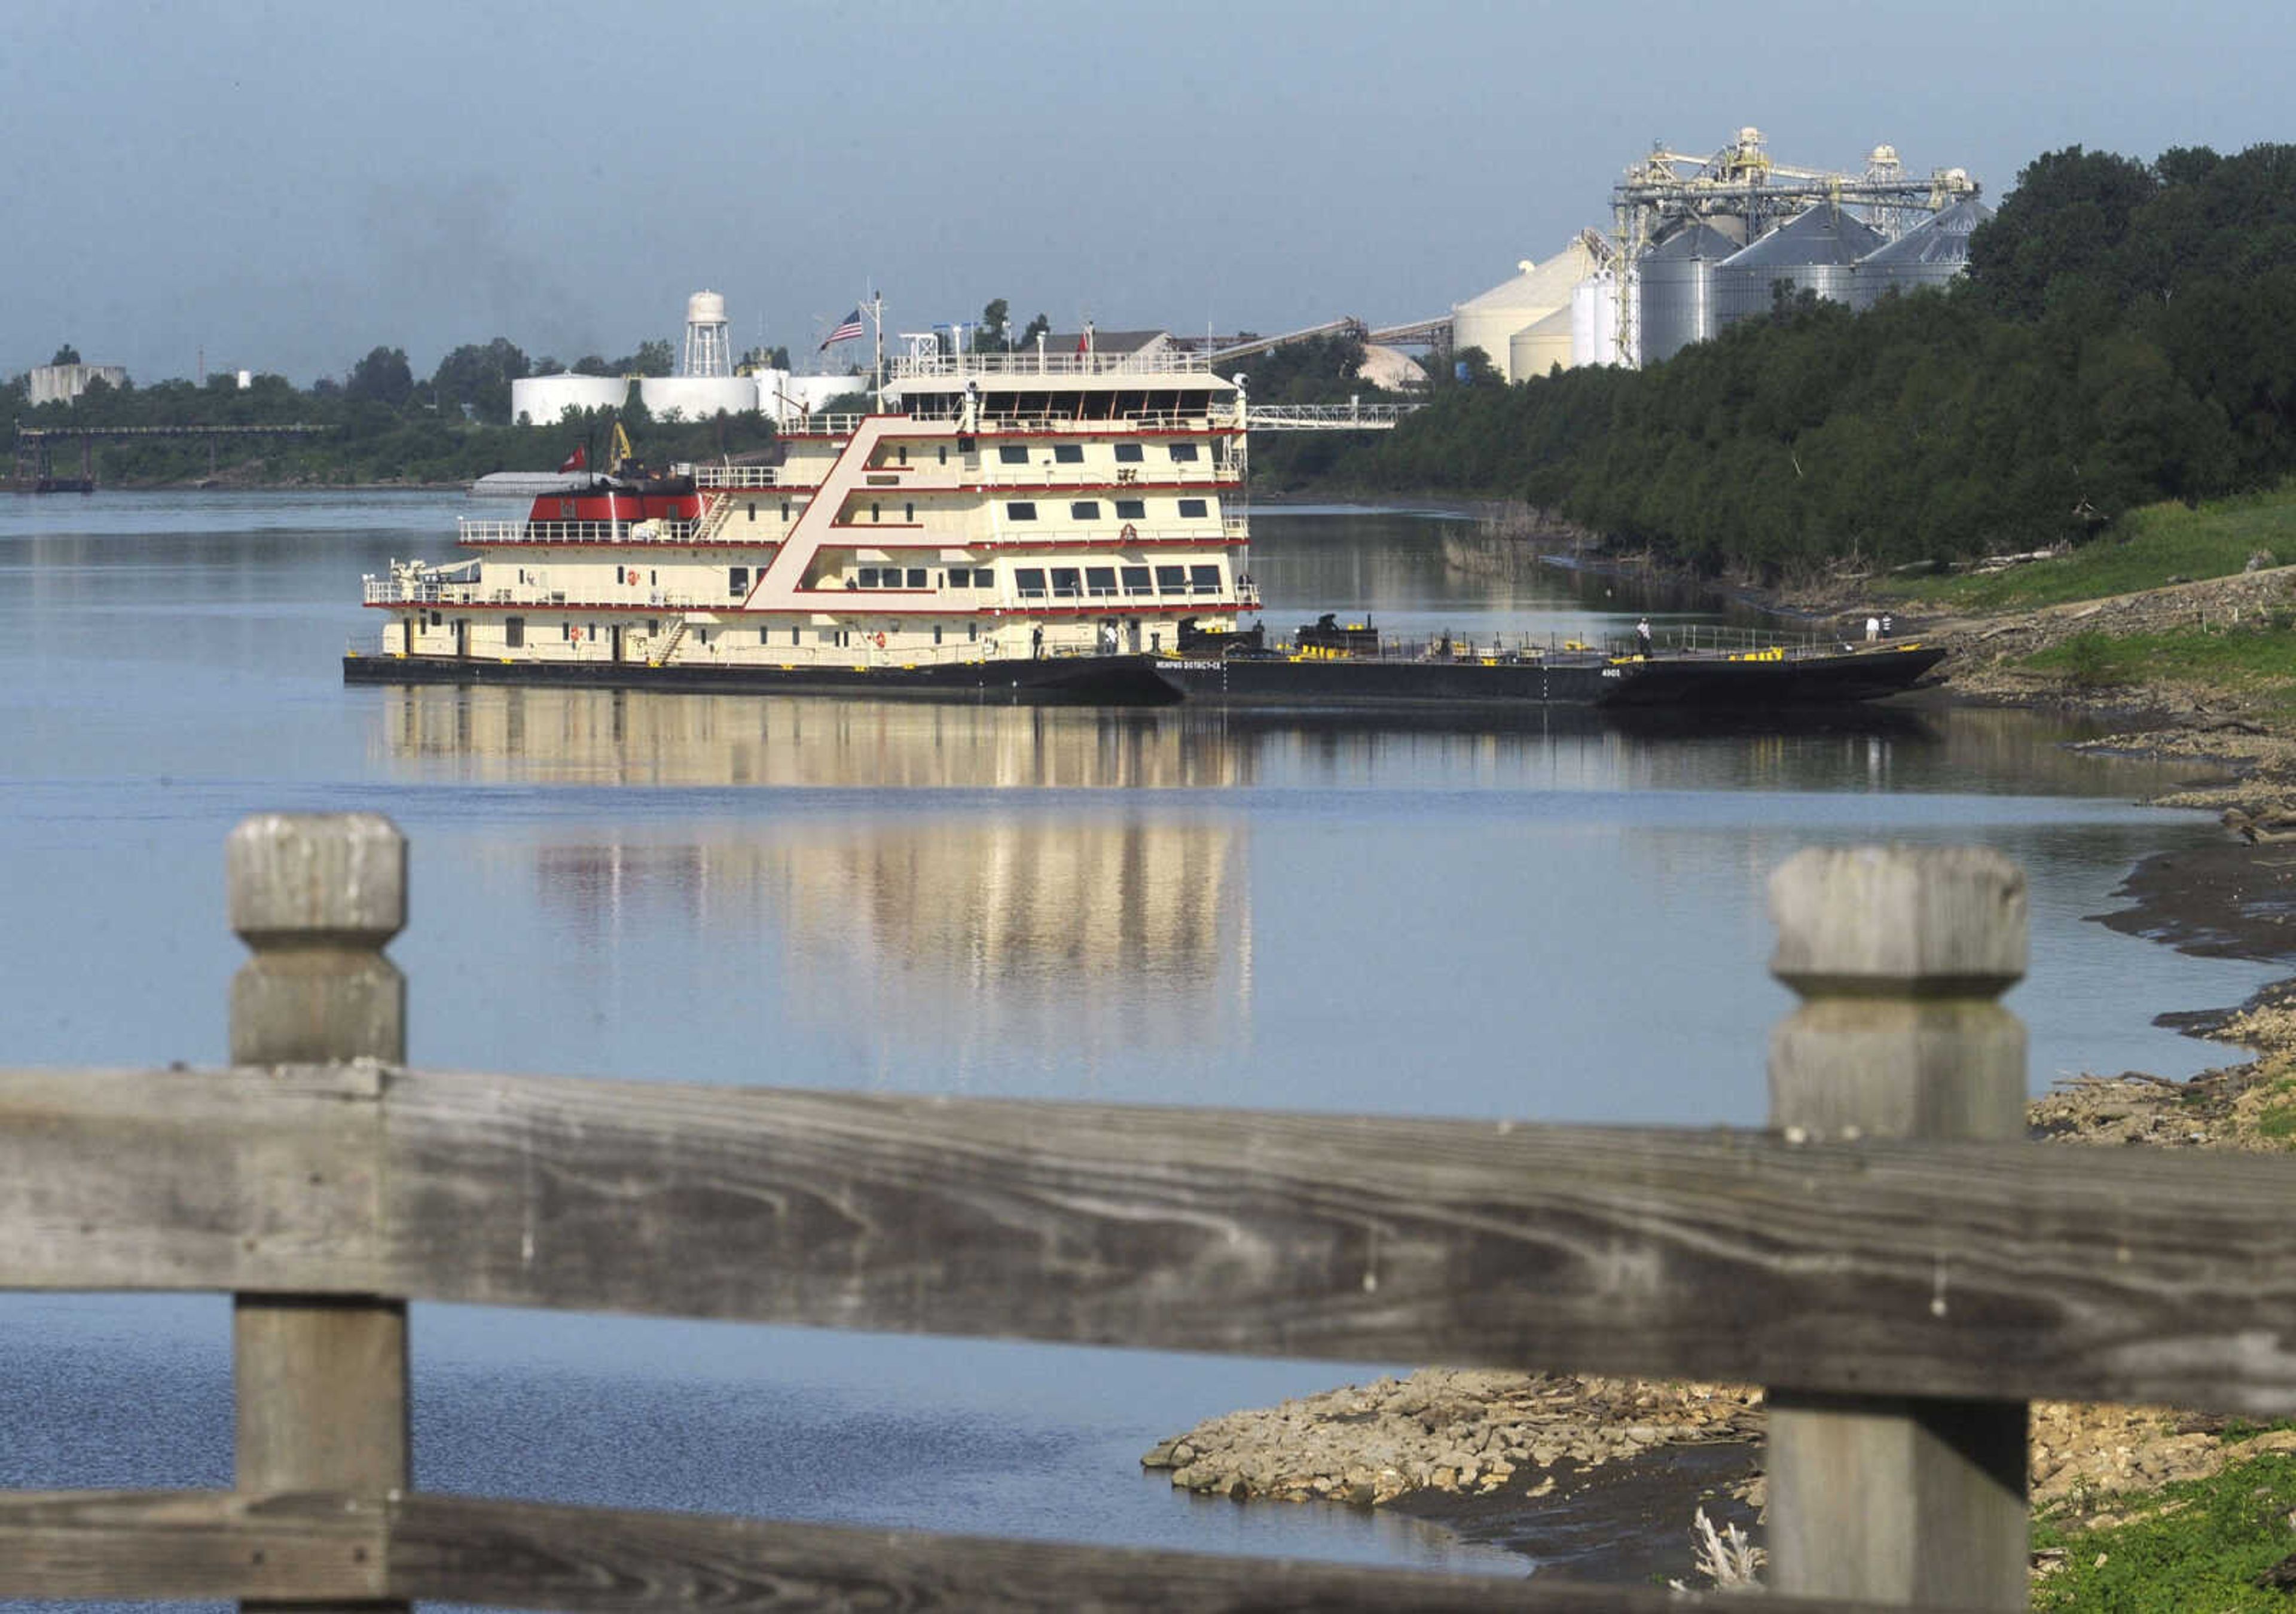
(739, 476)
(1328, 417)
(656, 530)
(820, 425)
(1031, 361)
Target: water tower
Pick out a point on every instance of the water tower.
(708, 351)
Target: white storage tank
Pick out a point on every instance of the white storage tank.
(698, 397)
(1490, 321)
(539, 400)
(1538, 350)
(1595, 320)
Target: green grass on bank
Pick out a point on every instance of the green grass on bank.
(2258, 660)
(2145, 549)
(2196, 1544)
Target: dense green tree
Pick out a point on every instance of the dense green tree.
(381, 377)
(479, 377)
(66, 355)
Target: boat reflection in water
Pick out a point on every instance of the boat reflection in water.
(604, 737)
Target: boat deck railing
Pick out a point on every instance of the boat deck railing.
(1034, 362)
(1704, 641)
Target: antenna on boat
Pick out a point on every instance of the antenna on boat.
(877, 373)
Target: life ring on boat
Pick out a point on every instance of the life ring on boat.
(1130, 533)
(881, 641)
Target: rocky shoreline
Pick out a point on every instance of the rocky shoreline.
(1598, 1478)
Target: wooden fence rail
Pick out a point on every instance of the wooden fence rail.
(1902, 1284)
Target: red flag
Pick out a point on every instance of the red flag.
(579, 460)
(1080, 345)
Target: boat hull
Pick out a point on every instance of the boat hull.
(1688, 683)
(1091, 680)
(1685, 684)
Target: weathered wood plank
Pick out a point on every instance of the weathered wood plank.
(190, 1545)
(320, 1380)
(248, 1177)
(1939, 1269)
(319, 1546)
(506, 1554)
(1900, 954)
(1946, 1269)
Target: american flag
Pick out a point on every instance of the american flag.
(848, 328)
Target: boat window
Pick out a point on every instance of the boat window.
(1029, 582)
(513, 632)
(1065, 585)
(916, 578)
(784, 510)
(1206, 579)
(1127, 454)
(753, 510)
(1084, 510)
(1012, 454)
(909, 514)
(876, 510)
(1137, 581)
(1172, 580)
(1068, 453)
(737, 580)
(944, 454)
(1131, 510)
(1019, 511)
(1194, 507)
(867, 577)
(972, 630)
(956, 577)
(1183, 454)
(904, 452)
(1100, 581)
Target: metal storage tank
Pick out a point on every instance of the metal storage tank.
(1813, 251)
(1490, 320)
(1595, 320)
(698, 397)
(1929, 254)
(1673, 292)
(540, 399)
(1537, 348)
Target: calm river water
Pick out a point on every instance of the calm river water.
(1556, 921)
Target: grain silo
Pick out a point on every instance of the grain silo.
(1595, 320)
(1536, 349)
(1929, 254)
(1816, 251)
(1674, 290)
(1490, 321)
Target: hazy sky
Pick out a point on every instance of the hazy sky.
(290, 185)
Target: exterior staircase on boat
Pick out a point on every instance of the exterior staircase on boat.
(669, 646)
(714, 519)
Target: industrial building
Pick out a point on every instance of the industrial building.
(63, 383)
(1699, 242)
(704, 385)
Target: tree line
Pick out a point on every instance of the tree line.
(388, 426)
(2125, 334)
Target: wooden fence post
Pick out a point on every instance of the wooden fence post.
(1899, 957)
(321, 1383)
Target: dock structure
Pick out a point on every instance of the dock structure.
(37, 446)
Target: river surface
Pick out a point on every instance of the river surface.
(1556, 920)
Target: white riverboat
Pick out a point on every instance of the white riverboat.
(1045, 524)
